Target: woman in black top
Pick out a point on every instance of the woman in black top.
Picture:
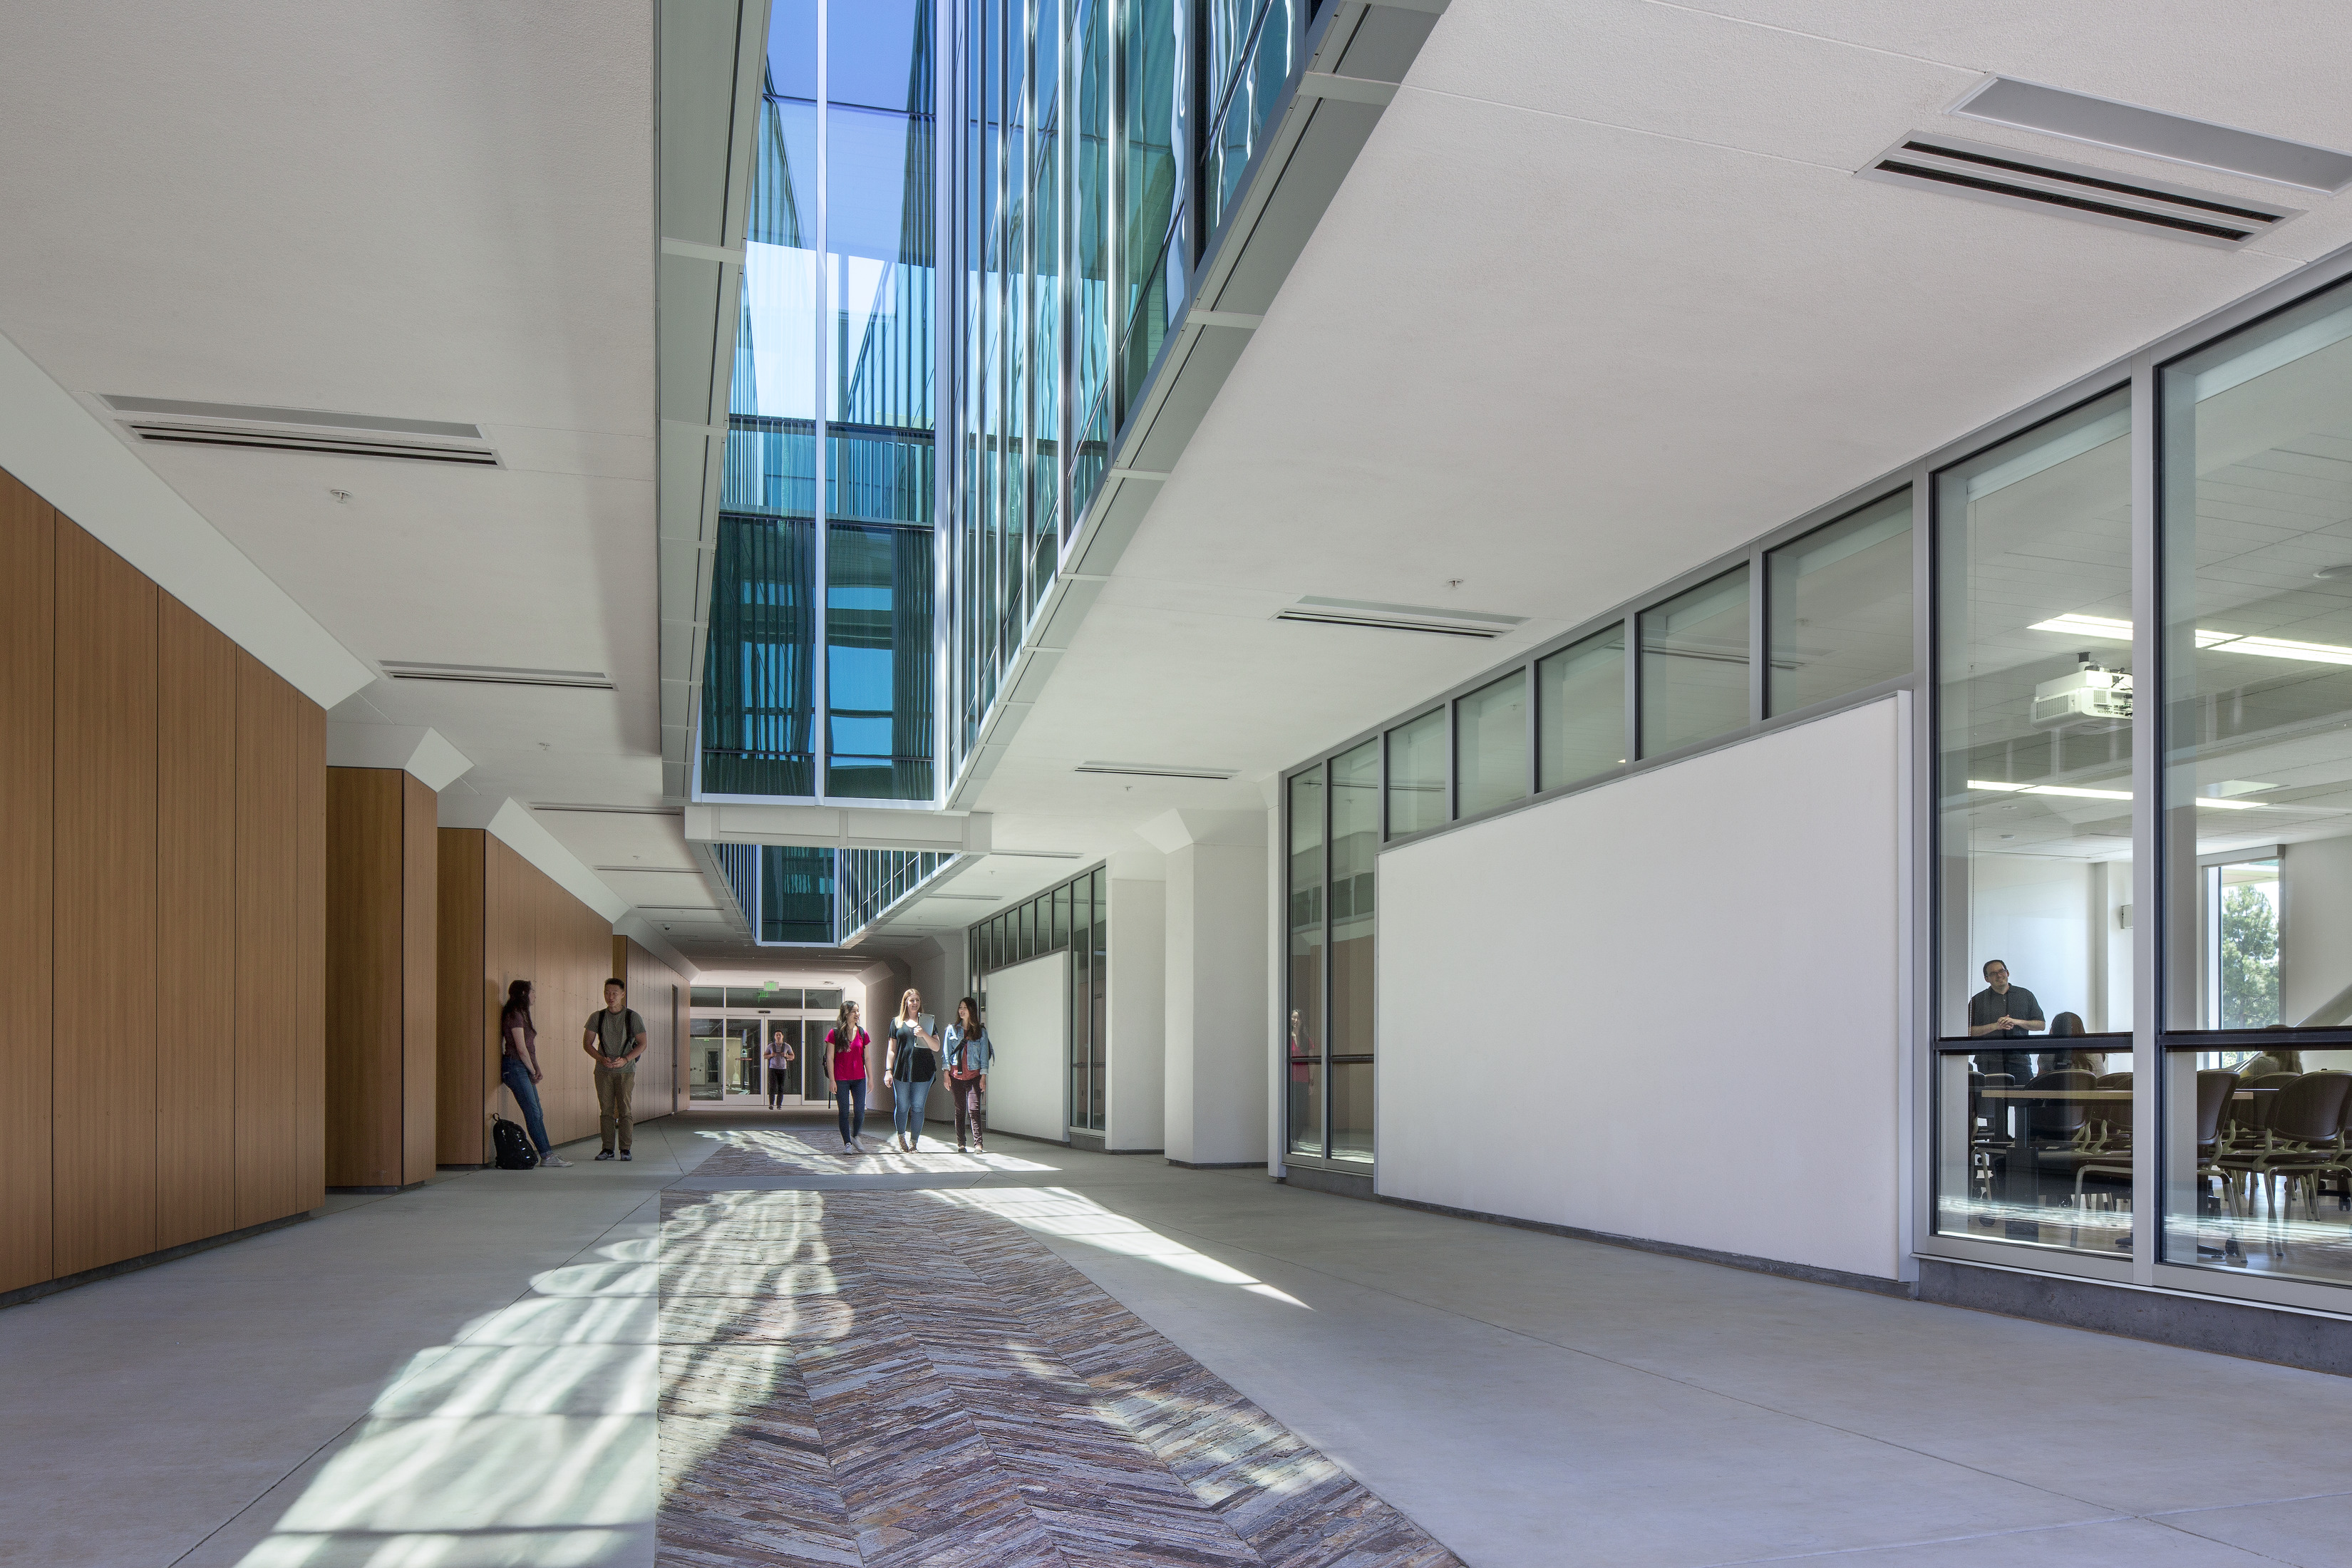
(908, 1069)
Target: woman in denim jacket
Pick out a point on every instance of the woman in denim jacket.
(966, 1050)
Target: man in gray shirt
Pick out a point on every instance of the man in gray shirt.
(615, 1038)
(2007, 1012)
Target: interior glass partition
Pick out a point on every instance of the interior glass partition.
(1838, 606)
(2257, 803)
(1074, 916)
(1490, 745)
(1695, 662)
(1581, 710)
(1352, 902)
(2033, 699)
(1306, 1032)
(1416, 786)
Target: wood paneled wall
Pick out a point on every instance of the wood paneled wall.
(463, 1077)
(502, 920)
(382, 863)
(161, 836)
(195, 921)
(27, 820)
(659, 992)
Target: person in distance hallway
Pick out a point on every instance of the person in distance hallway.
(780, 1056)
(908, 1069)
(845, 1045)
(615, 1038)
(519, 1067)
(967, 1051)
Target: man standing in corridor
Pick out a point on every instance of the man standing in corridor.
(616, 1038)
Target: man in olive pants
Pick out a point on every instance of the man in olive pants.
(615, 1038)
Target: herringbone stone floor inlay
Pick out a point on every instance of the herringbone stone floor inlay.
(899, 1378)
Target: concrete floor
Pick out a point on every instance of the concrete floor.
(467, 1374)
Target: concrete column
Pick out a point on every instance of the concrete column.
(1138, 1005)
(1216, 979)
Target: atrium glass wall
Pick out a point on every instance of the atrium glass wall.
(1074, 916)
(2033, 586)
(2257, 796)
(830, 469)
(1080, 192)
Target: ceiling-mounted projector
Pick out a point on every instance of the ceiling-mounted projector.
(2091, 694)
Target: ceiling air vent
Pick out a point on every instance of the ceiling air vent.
(496, 675)
(1154, 770)
(2012, 178)
(174, 423)
(1318, 611)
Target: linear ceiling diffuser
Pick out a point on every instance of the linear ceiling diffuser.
(2012, 178)
(495, 674)
(1316, 610)
(1155, 770)
(173, 422)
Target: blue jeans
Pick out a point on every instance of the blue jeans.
(906, 1106)
(525, 1093)
(844, 1091)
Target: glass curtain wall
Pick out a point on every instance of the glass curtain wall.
(829, 472)
(1074, 916)
(1080, 191)
(2256, 818)
(2033, 784)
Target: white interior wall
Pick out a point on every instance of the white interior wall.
(936, 965)
(1705, 962)
(2314, 925)
(1028, 1077)
(1136, 1117)
(1216, 979)
(2034, 913)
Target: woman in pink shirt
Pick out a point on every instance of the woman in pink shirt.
(846, 1065)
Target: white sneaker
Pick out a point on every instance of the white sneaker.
(849, 1146)
(554, 1161)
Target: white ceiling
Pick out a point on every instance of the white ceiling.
(426, 211)
(1603, 299)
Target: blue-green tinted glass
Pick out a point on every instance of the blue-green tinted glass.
(878, 642)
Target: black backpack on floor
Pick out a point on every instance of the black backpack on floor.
(512, 1143)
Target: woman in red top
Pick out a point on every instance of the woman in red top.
(846, 1067)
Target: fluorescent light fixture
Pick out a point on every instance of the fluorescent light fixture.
(2102, 627)
(2069, 791)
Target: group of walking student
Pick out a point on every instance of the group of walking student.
(614, 1038)
(913, 1059)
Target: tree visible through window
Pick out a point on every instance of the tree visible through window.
(2250, 978)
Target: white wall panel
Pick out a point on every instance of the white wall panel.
(1027, 1007)
(1685, 985)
